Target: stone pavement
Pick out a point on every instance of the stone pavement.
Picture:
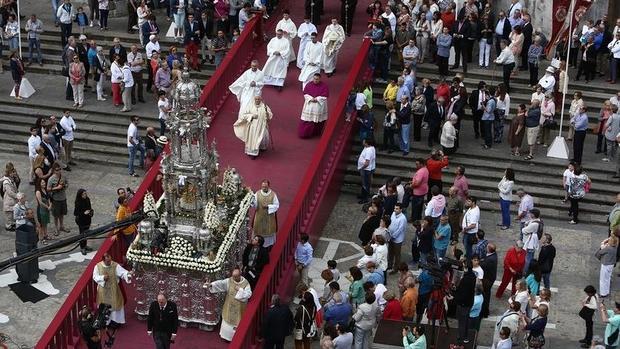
(574, 268)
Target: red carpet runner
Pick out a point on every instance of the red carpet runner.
(283, 166)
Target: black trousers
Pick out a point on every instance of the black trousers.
(433, 134)
(460, 49)
(421, 306)
(139, 85)
(161, 339)
(417, 127)
(487, 133)
(533, 73)
(273, 343)
(82, 230)
(442, 63)
(417, 207)
(486, 293)
(578, 140)
(586, 68)
(462, 315)
(524, 62)
(346, 14)
(477, 115)
(388, 139)
(589, 328)
(65, 33)
(149, 83)
(507, 70)
(574, 209)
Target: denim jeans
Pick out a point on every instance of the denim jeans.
(546, 278)
(14, 43)
(366, 182)
(440, 252)
(404, 137)
(55, 9)
(34, 44)
(505, 207)
(417, 203)
(132, 156)
(529, 255)
(468, 245)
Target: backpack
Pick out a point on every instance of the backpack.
(541, 228)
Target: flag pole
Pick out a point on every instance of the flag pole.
(19, 32)
(559, 148)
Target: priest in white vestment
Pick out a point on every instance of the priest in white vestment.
(107, 274)
(313, 59)
(289, 31)
(247, 86)
(304, 31)
(252, 127)
(276, 66)
(238, 292)
(314, 113)
(333, 38)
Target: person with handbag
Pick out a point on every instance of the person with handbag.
(305, 328)
(578, 186)
(547, 110)
(607, 256)
(612, 320)
(536, 337)
(588, 307)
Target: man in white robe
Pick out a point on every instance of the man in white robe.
(289, 31)
(313, 59)
(275, 68)
(238, 292)
(252, 127)
(304, 32)
(247, 86)
(107, 274)
(333, 38)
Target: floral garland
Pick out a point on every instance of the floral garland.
(180, 253)
(211, 220)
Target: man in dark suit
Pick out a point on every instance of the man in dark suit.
(347, 11)
(489, 266)
(255, 257)
(149, 28)
(119, 50)
(477, 106)
(162, 322)
(278, 324)
(459, 39)
(192, 41)
(206, 34)
(528, 32)
(502, 31)
(436, 114)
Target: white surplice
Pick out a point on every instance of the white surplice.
(227, 330)
(333, 38)
(314, 111)
(244, 91)
(276, 66)
(290, 32)
(304, 31)
(313, 58)
(252, 127)
(117, 316)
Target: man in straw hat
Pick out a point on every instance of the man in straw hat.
(547, 82)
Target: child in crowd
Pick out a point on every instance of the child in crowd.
(332, 266)
(568, 174)
(81, 19)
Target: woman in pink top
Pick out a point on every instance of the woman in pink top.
(460, 183)
(601, 145)
(419, 183)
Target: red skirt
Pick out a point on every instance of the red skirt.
(116, 94)
(309, 129)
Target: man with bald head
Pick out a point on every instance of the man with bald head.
(162, 322)
(247, 86)
(252, 127)
(136, 62)
(238, 291)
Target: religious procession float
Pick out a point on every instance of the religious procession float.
(197, 230)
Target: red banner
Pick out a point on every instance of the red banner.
(560, 25)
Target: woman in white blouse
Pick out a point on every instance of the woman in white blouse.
(436, 29)
(505, 196)
(501, 112)
(422, 29)
(575, 106)
(588, 308)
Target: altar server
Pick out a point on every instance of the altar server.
(304, 31)
(313, 59)
(333, 38)
(276, 66)
(247, 86)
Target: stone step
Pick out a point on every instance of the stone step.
(490, 204)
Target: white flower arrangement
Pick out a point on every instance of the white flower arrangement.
(180, 253)
(211, 219)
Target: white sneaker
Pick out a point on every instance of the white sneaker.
(605, 160)
(101, 99)
(91, 24)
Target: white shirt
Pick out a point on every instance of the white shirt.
(150, 47)
(479, 272)
(127, 77)
(117, 73)
(368, 154)
(471, 216)
(132, 133)
(33, 144)
(64, 14)
(391, 19)
(614, 47)
(67, 123)
(513, 8)
(360, 100)
(530, 235)
(568, 174)
(506, 57)
(163, 107)
(526, 205)
(135, 61)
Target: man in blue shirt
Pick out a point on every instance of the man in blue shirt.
(403, 90)
(339, 313)
(303, 257)
(488, 116)
(580, 123)
(397, 229)
(442, 236)
(425, 286)
(474, 313)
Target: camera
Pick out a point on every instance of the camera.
(437, 269)
(103, 315)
